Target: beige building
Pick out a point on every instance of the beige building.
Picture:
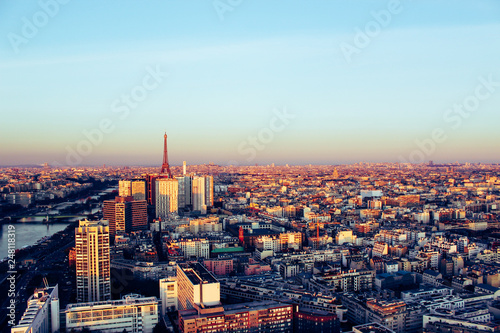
(345, 236)
(132, 188)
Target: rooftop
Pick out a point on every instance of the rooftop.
(252, 306)
(371, 328)
(228, 249)
(198, 274)
(131, 299)
(35, 303)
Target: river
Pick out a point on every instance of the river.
(29, 230)
(28, 234)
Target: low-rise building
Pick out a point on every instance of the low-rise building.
(42, 312)
(133, 313)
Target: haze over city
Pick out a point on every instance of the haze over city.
(375, 81)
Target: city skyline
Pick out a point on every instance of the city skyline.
(252, 83)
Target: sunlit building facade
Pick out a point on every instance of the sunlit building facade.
(133, 313)
(167, 191)
(261, 316)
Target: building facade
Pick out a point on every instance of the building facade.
(133, 313)
(42, 312)
(125, 215)
(263, 316)
(168, 295)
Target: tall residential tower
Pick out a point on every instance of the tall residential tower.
(92, 261)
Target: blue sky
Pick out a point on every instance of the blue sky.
(228, 77)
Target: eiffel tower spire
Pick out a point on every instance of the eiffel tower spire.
(165, 167)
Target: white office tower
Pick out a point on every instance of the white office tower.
(42, 312)
(92, 261)
(133, 313)
(209, 191)
(167, 192)
(168, 295)
(182, 193)
(184, 168)
(198, 193)
(188, 185)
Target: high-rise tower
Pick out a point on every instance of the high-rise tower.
(93, 282)
(167, 196)
(125, 215)
(165, 167)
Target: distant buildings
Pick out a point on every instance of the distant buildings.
(219, 266)
(92, 261)
(345, 280)
(197, 248)
(345, 236)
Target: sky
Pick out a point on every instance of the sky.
(248, 82)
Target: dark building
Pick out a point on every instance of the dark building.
(125, 215)
(317, 321)
(151, 189)
(401, 280)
